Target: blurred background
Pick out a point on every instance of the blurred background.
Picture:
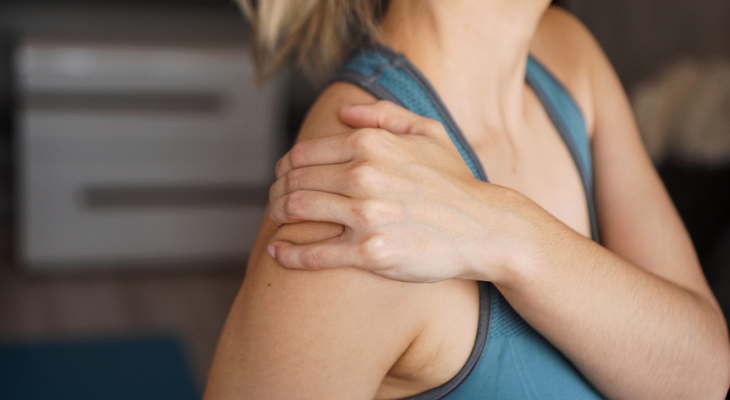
(136, 154)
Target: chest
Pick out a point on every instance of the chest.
(538, 164)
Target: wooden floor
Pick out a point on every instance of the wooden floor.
(191, 305)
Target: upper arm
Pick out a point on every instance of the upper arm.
(636, 217)
(302, 334)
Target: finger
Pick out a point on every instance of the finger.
(392, 118)
(330, 253)
(337, 179)
(277, 190)
(321, 151)
(306, 205)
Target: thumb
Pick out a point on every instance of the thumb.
(390, 117)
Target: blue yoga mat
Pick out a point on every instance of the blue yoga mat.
(109, 369)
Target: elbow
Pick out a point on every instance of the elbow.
(711, 381)
(710, 368)
(716, 365)
(724, 372)
(724, 363)
(718, 387)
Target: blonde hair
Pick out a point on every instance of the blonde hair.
(318, 34)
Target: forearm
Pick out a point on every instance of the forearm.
(413, 212)
(631, 333)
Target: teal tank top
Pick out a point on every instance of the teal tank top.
(509, 360)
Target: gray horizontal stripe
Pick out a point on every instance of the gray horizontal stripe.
(183, 196)
(199, 103)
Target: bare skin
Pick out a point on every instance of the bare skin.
(347, 333)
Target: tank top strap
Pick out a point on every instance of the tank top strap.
(567, 118)
(509, 360)
(388, 75)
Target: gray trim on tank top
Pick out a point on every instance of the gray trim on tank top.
(369, 83)
(569, 143)
(480, 343)
(399, 60)
(485, 300)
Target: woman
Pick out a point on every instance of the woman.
(379, 200)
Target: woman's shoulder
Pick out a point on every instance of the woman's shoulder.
(569, 51)
(318, 334)
(323, 117)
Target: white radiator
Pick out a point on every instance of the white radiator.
(128, 155)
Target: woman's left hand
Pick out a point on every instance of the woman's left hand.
(410, 207)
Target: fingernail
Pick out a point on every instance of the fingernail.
(272, 251)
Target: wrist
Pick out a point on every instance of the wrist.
(542, 246)
(522, 253)
(527, 233)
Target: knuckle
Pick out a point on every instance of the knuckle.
(310, 259)
(385, 105)
(293, 205)
(430, 126)
(375, 250)
(362, 176)
(297, 155)
(367, 139)
(292, 181)
(370, 212)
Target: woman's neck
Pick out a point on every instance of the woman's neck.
(473, 51)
